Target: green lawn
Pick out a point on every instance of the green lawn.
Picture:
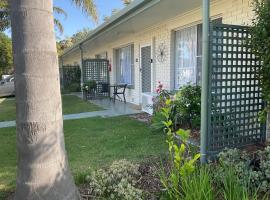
(91, 143)
(71, 104)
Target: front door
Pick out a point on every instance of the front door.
(146, 68)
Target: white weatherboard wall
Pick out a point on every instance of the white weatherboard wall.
(238, 12)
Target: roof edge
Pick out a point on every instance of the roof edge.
(117, 18)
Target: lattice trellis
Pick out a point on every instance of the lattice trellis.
(235, 95)
(97, 70)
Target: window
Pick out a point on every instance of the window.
(188, 55)
(124, 65)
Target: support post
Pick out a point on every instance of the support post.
(205, 81)
(81, 64)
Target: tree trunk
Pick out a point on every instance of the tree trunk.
(43, 171)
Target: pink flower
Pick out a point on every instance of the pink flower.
(158, 90)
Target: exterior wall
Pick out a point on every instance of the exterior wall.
(237, 12)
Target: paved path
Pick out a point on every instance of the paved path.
(112, 110)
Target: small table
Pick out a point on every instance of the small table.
(116, 92)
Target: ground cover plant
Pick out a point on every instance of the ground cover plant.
(71, 104)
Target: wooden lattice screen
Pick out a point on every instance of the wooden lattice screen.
(235, 95)
(97, 70)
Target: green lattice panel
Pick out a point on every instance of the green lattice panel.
(98, 70)
(235, 95)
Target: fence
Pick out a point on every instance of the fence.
(235, 93)
(97, 70)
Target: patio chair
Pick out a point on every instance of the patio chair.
(120, 90)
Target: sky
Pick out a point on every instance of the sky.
(76, 20)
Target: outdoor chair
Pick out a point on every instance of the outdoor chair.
(120, 90)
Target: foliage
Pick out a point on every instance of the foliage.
(74, 39)
(74, 87)
(89, 85)
(119, 181)
(159, 102)
(260, 43)
(233, 189)
(6, 60)
(71, 78)
(183, 163)
(202, 179)
(188, 105)
(251, 170)
(87, 6)
(4, 15)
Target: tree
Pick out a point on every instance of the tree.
(260, 44)
(43, 172)
(75, 38)
(87, 6)
(5, 53)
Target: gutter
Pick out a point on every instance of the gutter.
(127, 13)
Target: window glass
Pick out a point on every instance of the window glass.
(124, 57)
(186, 56)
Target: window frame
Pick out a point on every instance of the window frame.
(117, 64)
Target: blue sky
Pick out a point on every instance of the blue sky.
(76, 20)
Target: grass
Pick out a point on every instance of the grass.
(71, 104)
(91, 143)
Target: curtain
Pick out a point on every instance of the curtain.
(125, 65)
(186, 57)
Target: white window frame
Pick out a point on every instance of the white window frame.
(130, 65)
(176, 84)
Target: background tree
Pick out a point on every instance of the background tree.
(5, 54)
(260, 43)
(87, 6)
(4, 15)
(43, 171)
(75, 38)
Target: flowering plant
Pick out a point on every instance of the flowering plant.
(89, 85)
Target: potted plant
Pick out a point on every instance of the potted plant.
(89, 88)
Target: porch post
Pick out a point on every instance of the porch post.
(205, 80)
(81, 64)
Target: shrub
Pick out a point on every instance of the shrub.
(260, 45)
(182, 162)
(160, 100)
(251, 170)
(89, 85)
(119, 181)
(188, 105)
(74, 87)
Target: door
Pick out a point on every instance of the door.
(146, 68)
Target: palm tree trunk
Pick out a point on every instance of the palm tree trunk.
(43, 171)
